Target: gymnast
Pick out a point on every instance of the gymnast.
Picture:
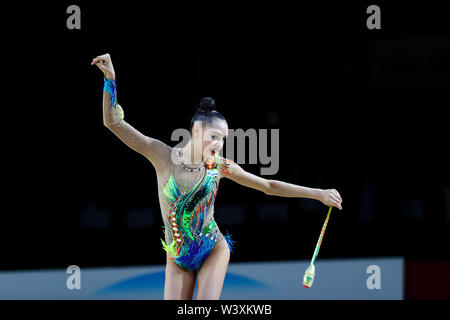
(188, 180)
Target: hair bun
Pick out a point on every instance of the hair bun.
(207, 104)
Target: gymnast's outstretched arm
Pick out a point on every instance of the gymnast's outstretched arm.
(233, 171)
(157, 152)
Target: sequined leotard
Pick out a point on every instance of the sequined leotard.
(187, 205)
(186, 198)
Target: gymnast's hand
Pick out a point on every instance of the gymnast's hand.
(105, 64)
(331, 197)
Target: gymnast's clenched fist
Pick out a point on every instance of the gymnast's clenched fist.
(105, 64)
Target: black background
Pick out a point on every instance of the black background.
(357, 110)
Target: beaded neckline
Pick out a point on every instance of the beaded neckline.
(177, 153)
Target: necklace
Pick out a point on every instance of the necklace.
(184, 167)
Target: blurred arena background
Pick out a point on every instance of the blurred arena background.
(357, 110)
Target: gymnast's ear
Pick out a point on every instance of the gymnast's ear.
(197, 129)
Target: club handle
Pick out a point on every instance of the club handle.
(316, 251)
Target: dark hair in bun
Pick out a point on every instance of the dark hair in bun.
(207, 104)
(206, 112)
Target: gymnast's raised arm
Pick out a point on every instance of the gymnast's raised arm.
(157, 152)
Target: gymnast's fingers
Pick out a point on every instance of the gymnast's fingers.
(337, 205)
(103, 59)
(336, 193)
(334, 201)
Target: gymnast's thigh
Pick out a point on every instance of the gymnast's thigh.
(179, 283)
(212, 273)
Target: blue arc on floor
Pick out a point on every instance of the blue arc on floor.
(156, 280)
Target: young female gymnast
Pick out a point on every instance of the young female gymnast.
(188, 179)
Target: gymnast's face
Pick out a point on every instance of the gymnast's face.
(213, 137)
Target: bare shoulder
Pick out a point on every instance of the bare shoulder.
(227, 168)
(159, 154)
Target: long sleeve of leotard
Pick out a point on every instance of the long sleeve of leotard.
(154, 150)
